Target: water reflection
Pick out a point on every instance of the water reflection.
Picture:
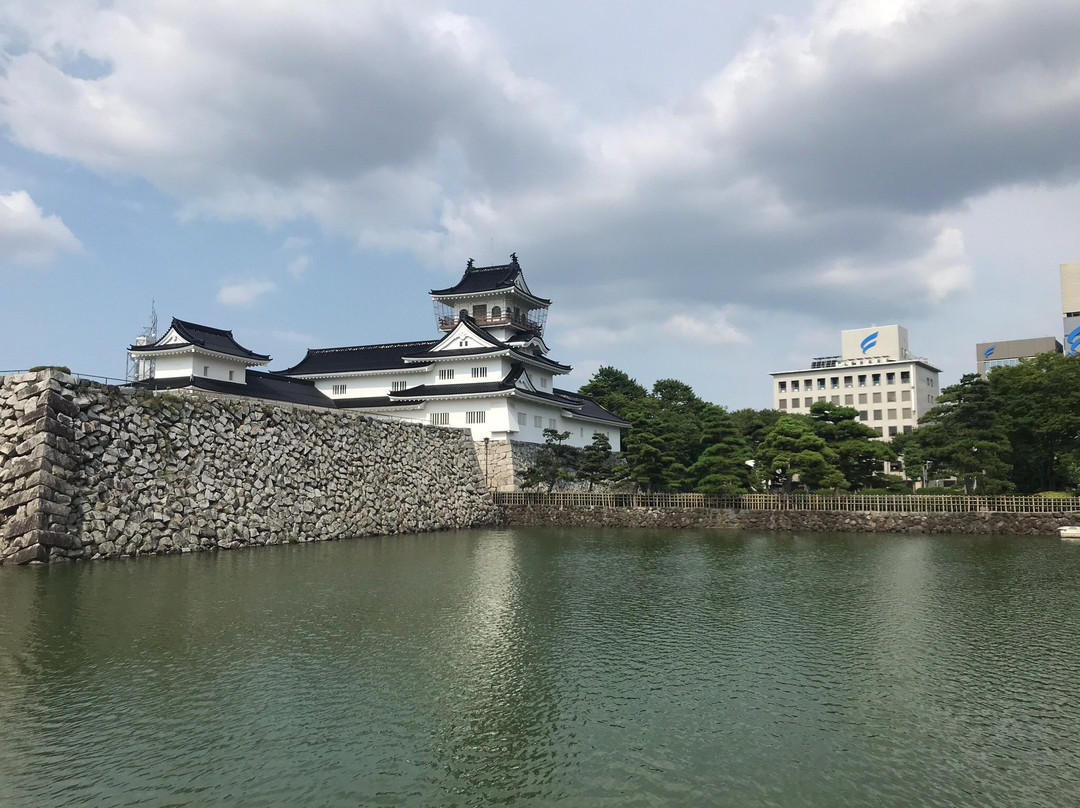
(536, 667)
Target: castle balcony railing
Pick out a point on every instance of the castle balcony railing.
(448, 322)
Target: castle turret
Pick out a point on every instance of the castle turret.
(496, 298)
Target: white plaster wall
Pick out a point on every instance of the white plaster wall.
(192, 364)
(169, 367)
(581, 431)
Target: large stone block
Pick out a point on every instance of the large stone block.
(35, 552)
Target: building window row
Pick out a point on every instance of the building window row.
(399, 385)
(446, 374)
(475, 417)
(479, 373)
(833, 382)
(440, 419)
(339, 389)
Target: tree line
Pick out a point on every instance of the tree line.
(1018, 431)
(680, 442)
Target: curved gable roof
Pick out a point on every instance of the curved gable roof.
(490, 279)
(203, 336)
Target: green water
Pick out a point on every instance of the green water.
(540, 667)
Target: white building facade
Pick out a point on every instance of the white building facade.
(875, 374)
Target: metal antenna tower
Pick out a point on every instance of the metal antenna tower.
(139, 369)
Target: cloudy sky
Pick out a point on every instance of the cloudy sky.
(707, 189)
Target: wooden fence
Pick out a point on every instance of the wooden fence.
(803, 502)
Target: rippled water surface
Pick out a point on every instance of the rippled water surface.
(537, 667)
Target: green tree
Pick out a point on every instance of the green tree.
(597, 463)
(755, 425)
(859, 454)
(648, 449)
(613, 390)
(721, 468)
(964, 436)
(792, 449)
(1037, 400)
(555, 462)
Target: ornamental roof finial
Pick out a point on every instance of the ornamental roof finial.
(470, 264)
(513, 258)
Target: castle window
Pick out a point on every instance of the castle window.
(551, 423)
(522, 419)
(464, 312)
(339, 389)
(479, 312)
(231, 372)
(440, 419)
(475, 417)
(479, 373)
(398, 385)
(205, 370)
(543, 381)
(446, 374)
(538, 421)
(496, 312)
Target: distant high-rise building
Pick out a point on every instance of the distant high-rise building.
(1070, 306)
(875, 373)
(990, 355)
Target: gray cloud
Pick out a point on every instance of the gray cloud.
(819, 172)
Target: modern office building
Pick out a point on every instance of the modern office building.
(1070, 306)
(875, 373)
(990, 355)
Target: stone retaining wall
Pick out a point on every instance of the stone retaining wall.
(88, 471)
(1018, 524)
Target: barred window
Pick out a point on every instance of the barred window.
(479, 373)
(475, 417)
(447, 374)
(339, 389)
(398, 385)
(538, 421)
(440, 419)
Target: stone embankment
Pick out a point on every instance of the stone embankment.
(88, 471)
(1016, 524)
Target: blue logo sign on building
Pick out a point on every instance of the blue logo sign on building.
(1073, 339)
(871, 341)
(989, 352)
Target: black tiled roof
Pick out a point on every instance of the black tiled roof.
(486, 279)
(431, 355)
(203, 336)
(369, 402)
(269, 386)
(430, 390)
(590, 409)
(357, 357)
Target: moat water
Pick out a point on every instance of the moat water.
(550, 667)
